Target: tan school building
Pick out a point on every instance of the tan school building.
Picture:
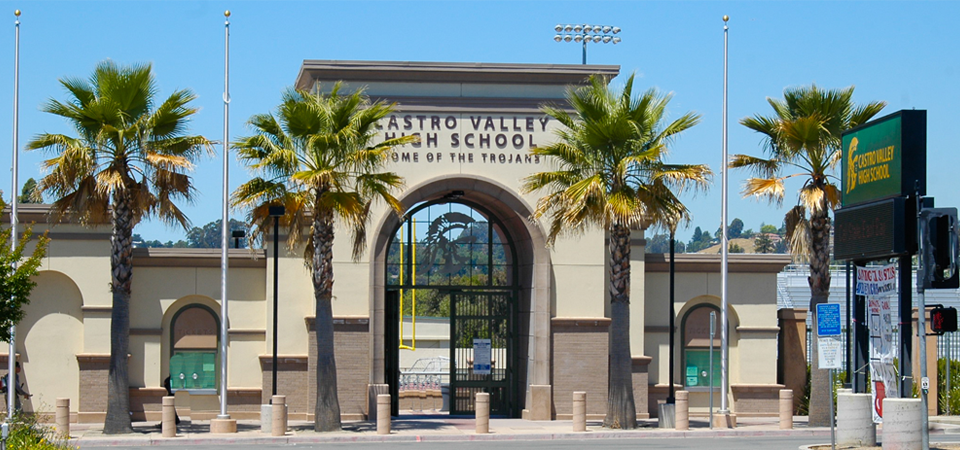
(497, 310)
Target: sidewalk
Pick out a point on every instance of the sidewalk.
(424, 428)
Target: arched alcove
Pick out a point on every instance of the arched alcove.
(49, 338)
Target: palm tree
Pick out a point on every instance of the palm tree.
(610, 173)
(804, 136)
(317, 158)
(127, 162)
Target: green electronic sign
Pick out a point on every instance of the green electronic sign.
(885, 158)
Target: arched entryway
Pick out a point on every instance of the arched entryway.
(498, 290)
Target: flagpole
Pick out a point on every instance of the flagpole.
(724, 344)
(12, 352)
(225, 221)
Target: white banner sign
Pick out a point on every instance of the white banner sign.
(879, 286)
(876, 281)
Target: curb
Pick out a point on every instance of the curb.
(373, 438)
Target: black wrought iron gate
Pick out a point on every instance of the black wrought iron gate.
(480, 321)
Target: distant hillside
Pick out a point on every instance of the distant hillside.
(745, 244)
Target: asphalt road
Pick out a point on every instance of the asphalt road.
(732, 443)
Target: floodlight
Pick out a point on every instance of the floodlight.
(567, 38)
(597, 28)
(616, 40)
(597, 39)
(577, 28)
(606, 39)
(559, 28)
(577, 38)
(616, 30)
(558, 38)
(606, 28)
(568, 28)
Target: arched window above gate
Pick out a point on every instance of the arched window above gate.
(451, 244)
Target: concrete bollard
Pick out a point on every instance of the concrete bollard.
(483, 412)
(786, 409)
(278, 416)
(63, 417)
(579, 412)
(682, 421)
(383, 413)
(855, 420)
(168, 418)
(902, 423)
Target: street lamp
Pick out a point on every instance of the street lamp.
(587, 33)
(276, 212)
(237, 235)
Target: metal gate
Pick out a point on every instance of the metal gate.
(481, 321)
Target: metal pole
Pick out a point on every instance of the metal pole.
(922, 329)
(276, 271)
(949, 361)
(849, 347)
(724, 351)
(584, 51)
(670, 378)
(833, 431)
(12, 352)
(713, 332)
(225, 225)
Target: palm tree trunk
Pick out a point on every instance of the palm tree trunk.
(121, 267)
(621, 409)
(327, 412)
(820, 389)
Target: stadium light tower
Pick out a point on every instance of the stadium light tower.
(587, 33)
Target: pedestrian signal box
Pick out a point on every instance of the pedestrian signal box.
(940, 248)
(943, 319)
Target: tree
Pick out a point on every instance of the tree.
(210, 235)
(127, 163)
(660, 243)
(317, 158)
(29, 193)
(736, 228)
(734, 248)
(804, 135)
(699, 241)
(771, 229)
(610, 173)
(763, 244)
(16, 276)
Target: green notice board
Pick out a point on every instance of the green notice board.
(198, 370)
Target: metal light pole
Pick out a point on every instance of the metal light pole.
(670, 378)
(587, 33)
(276, 212)
(12, 354)
(225, 225)
(724, 350)
(922, 326)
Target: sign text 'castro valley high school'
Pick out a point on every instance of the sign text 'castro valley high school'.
(468, 138)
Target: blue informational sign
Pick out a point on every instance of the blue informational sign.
(828, 319)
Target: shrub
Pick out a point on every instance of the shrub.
(27, 433)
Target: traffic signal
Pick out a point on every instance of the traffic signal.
(943, 319)
(940, 248)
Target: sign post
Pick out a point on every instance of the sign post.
(828, 345)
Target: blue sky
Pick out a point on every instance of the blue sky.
(905, 53)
